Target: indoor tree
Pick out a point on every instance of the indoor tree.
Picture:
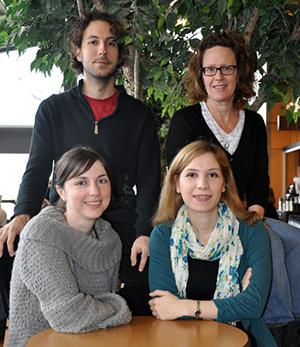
(161, 36)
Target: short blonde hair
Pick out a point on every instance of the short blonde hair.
(170, 201)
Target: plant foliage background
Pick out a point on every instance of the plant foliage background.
(161, 36)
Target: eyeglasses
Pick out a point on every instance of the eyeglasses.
(212, 70)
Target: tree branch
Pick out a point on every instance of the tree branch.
(128, 69)
(295, 35)
(250, 27)
(2, 9)
(81, 8)
(137, 76)
(100, 5)
(257, 103)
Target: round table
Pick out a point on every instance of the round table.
(149, 332)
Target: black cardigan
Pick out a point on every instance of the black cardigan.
(250, 160)
(127, 139)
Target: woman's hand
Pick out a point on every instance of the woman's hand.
(246, 279)
(166, 306)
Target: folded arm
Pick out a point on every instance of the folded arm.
(47, 273)
(248, 304)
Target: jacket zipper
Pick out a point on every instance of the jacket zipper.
(96, 128)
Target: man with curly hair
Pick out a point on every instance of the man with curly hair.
(99, 114)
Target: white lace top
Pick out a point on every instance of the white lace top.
(229, 141)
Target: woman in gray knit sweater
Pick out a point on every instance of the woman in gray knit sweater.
(65, 272)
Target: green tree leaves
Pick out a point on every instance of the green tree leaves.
(163, 32)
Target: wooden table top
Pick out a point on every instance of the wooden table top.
(149, 332)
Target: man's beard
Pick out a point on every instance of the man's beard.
(105, 78)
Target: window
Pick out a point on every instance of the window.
(21, 92)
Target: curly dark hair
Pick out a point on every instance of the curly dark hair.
(246, 66)
(76, 35)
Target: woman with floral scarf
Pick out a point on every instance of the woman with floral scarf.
(209, 257)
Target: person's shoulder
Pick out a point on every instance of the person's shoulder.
(130, 101)
(41, 225)
(60, 98)
(162, 231)
(254, 124)
(253, 117)
(188, 111)
(187, 115)
(256, 231)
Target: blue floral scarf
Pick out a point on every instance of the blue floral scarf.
(224, 244)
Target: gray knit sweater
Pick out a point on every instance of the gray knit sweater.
(64, 279)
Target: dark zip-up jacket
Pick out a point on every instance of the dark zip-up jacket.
(127, 139)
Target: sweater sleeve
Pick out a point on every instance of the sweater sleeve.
(160, 269)
(148, 176)
(47, 273)
(250, 303)
(258, 183)
(39, 166)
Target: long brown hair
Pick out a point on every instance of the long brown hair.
(246, 66)
(170, 201)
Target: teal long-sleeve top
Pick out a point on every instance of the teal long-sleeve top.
(248, 305)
